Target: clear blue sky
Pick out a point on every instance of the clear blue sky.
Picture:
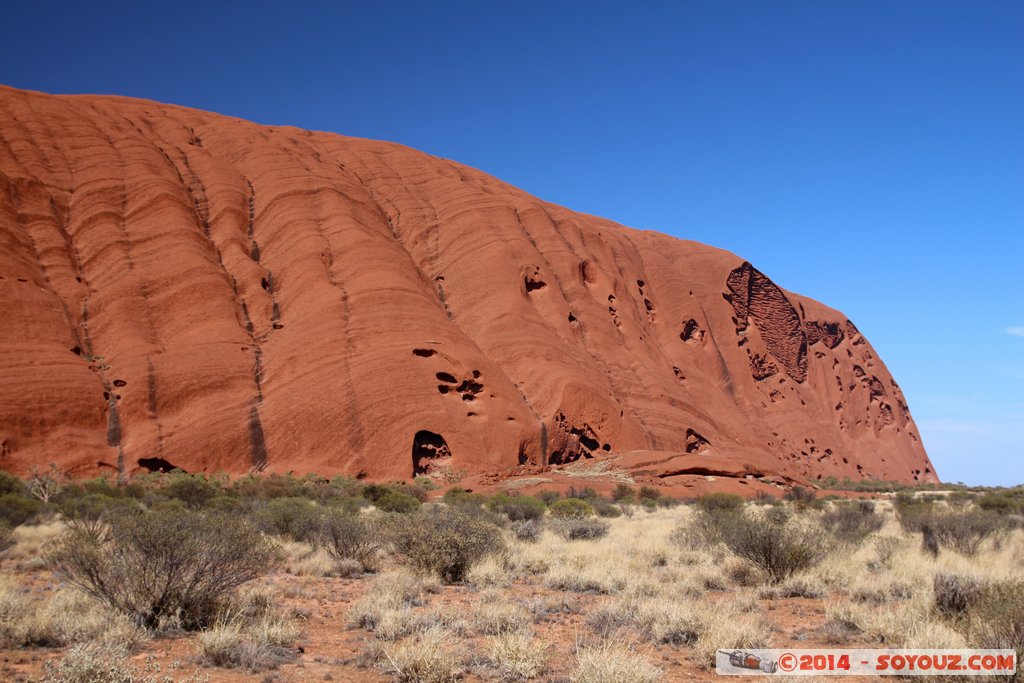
(867, 154)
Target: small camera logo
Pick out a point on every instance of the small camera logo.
(747, 660)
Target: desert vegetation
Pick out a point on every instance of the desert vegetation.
(179, 577)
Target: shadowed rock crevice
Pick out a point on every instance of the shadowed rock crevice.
(157, 465)
(429, 451)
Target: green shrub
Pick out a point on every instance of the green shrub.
(586, 493)
(648, 493)
(397, 501)
(425, 482)
(548, 496)
(771, 542)
(623, 493)
(999, 503)
(457, 496)
(194, 490)
(17, 508)
(295, 518)
(719, 502)
(11, 484)
(606, 509)
(570, 507)
(517, 508)
(445, 541)
(155, 566)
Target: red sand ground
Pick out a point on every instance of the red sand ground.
(187, 289)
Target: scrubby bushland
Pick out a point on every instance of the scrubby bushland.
(773, 542)
(517, 508)
(570, 508)
(962, 530)
(996, 618)
(579, 528)
(347, 536)
(852, 522)
(155, 566)
(445, 541)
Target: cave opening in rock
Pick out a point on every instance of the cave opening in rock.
(157, 465)
(428, 449)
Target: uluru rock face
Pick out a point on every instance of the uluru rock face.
(185, 289)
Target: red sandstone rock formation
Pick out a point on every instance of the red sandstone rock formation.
(181, 288)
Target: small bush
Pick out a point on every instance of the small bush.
(425, 659)
(579, 528)
(527, 530)
(11, 484)
(605, 509)
(517, 508)
(548, 496)
(648, 493)
(445, 541)
(516, 656)
(852, 523)
(294, 518)
(623, 493)
(585, 493)
(462, 497)
(772, 543)
(955, 593)
(803, 498)
(999, 503)
(719, 502)
(570, 508)
(90, 663)
(194, 490)
(253, 644)
(397, 501)
(961, 530)
(159, 565)
(351, 537)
